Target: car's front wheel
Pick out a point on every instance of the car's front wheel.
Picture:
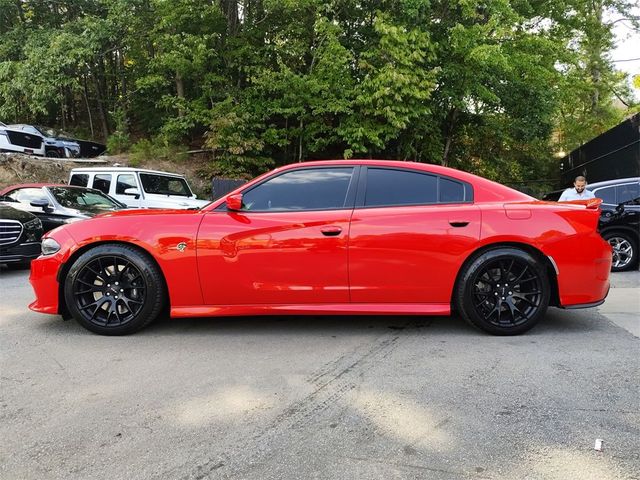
(114, 289)
(504, 291)
(625, 250)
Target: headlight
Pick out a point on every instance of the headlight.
(33, 224)
(50, 246)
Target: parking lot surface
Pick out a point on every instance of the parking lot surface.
(321, 397)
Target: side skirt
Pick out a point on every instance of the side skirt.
(314, 309)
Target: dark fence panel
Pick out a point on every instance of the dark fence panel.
(614, 154)
(221, 186)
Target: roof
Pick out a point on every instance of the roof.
(122, 169)
(32, 185)
(617, 181)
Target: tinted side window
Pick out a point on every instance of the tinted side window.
(607, 194)
(125, 181)
(398, 187)
(102, 182)
(450, 191)
(79, 179)
(308, 189)
(627, 192)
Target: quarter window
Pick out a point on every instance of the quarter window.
(306, 189)
(450, 191)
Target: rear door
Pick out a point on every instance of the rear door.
(410, 232)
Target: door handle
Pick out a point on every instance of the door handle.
(458, 223)
(331, 231)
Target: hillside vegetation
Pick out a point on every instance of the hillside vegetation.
(494, 88)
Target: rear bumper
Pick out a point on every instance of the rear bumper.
(583, 277)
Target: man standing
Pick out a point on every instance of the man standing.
(578, 192)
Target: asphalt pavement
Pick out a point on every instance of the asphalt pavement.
(321, 397)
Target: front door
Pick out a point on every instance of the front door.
(288, 244)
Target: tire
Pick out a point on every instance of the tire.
(625, 250)
(504, 291)
(52, 154)
(114, 290)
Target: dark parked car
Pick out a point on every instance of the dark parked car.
(55, 145)
(57, 205)
(20, 234)
(15, 140)
(619, 218)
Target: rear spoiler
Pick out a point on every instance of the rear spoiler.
(590, 203)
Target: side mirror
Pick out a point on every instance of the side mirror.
(234, 202)
(134, 192)
(42, 203)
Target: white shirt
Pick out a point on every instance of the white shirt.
(572, 194)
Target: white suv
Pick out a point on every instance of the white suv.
(137, 187)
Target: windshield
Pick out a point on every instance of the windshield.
(82, 198)
(164, 185)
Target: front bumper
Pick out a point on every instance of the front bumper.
(21, 252)
(44, 275)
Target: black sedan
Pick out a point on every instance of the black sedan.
(20, 234)
(57, 205)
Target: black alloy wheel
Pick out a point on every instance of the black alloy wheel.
(503, 291)
(114, 290)
(53, 153)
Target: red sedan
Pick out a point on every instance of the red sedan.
(332, 237)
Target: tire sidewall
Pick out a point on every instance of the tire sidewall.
(150, 275)
(464, 299)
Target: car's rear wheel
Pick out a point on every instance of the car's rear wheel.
(53, 153)
(504, 291)
(114, 289)
(625, 250)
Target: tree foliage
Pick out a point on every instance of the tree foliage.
(489, 87)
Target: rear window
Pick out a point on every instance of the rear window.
(628, 192)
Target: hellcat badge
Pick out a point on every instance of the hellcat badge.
(182, 246)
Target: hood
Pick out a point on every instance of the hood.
(150, 212)
(9, 213)
(175, 201)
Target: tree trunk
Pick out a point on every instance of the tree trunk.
(180, 92)
(86, 100)
(102, 115)
(449, 127)
(300, 145)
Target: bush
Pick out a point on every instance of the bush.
(156, 148)
(119, 142)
